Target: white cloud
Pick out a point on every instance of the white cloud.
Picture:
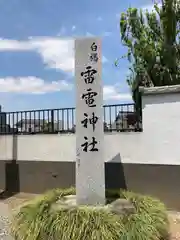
(35, 85)
(32, 85)
(14, 45)
(73, 28)
(56, 53)
(111, 93)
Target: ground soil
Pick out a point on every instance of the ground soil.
(20, 198)
(174, 219)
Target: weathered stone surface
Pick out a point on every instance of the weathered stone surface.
(59, 205)
(122, 206)
(70, 200)
(119, 206)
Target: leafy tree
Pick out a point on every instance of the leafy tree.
(153, 42)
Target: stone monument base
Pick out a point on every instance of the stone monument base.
(119, 206)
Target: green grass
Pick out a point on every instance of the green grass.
(36, 221)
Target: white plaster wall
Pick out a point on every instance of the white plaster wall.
(159, 143)
(62, 147)
(161, 123)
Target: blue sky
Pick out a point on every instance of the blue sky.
(36, 50)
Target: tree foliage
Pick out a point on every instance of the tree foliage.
(153, 42)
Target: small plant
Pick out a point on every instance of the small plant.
(36, 220)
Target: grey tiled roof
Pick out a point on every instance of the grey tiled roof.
(159, 90)
(35, 122)
(30, 121)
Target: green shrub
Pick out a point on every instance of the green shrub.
(151, 217)
(36, 221)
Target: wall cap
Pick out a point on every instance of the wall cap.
(160, 90)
